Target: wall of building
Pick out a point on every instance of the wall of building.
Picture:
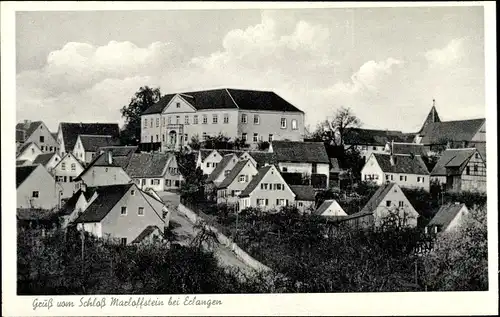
(106, 175)
(69, 167)
(48, 191)
(130, 225)
(48, 144)
(207, 166)
(372, 172)
(471, 179)
(304, 206)
(480, 135)
(226, 195)
(395, 196)
(409, 180)
(270, 123)
(334, 210)
(29, 153)
(94, 228)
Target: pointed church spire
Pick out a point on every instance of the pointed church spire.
(432, 117)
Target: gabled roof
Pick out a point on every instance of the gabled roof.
(452, 158)
(227, 99)
(25, 146)
(324, 206)
(404, 164)
(226, 159)
(70, 204)
(432, 117)
(301, 152)
(71, 131)
(43, 158)
(255, 181)
(408, 148)
(119, 150)
(107, 198)
(146, 164)
(446, 214)
(23, 172)
(357, 136)
(461, 130)
(91, 143)
(28, 128)
(262, 157)
(145, 233)
(376, 199)
(20, 162)
(303, 192)
(204, 153)
(233, 174)
(102, 160)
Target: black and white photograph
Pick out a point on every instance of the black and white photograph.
(173, 157)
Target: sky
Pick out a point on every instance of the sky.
(386, 64)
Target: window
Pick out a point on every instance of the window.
(73, 166)
(374, 148)
(145, 124)
(35, 194)
(204, 136)
(401, 177)
(244, 137)
(226, 118)
(215, 118)
(157, 122)
(178, 105)
(155, 182)
(227, 172)
(386, 177)
(186, 137)
(241, 178)
(123, 241)
(208, 164)
(140, 211)
(244, 118)
(163, 121)
(42, 139)
(301, 204)
(132, 192)
(256, 119)
(123, 211)
(151, 124)
(392, 177)
(270, 138)
(169, 182)
(476, 155)
(177, 119)
(195, 119)
(388, 203)
(63, 166)
(283, 123)
(163, 137)
(205, 119)
(476, 168)
(467, 170)
(294, 124)
(261, 202)
(151, 139)
(186, 119)
(255, 137)
(169, 118)
(281, 202)
(401, 204)
(157, 138)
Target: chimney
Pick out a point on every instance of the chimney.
(393, 160)
(27, 123)
(110, 157)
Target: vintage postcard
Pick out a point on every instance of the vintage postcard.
(217, 158)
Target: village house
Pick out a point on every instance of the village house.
(38, 133)
(267, 190)
(252, 116)
(387, 206)
(235, 182)
(330, 208)
(121, 213)
(86, 146)
(258, 158)
(68, 132)
(407, 171)
(47, 160)
(223, 169)
(65, 173)
(437, 135)
(368, 141)
(308, 158)
(158, 171)
(449, 217)
(28, 152)
(305, 197)
(105, 170)
(461, 170)
(36, 188)
(75, 205)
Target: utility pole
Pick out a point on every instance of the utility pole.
(83, 248)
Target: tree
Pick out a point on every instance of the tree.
(335, 130)
(263, 145)
(195, 143)
(144, 98)
(219, 142)
(193, 176)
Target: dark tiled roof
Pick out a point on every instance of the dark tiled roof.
(452, 158)
(228, 99)
(255, 181)
(405, 164)
(43, 159)
(356, 136)
(145, 233)
(376, 199)
(303, 192)
(71, 131)
(30, 214)
(25, 146)
(301, 152)
(147, 164)
(70, 204)
(107, 198)
(323, 207)
(119, 150)
(28, 128)
(91, 143)
(432, 117)
(20, 135)
(23, 172)
(221, 166)
(20, 162)
(463, 130)
(446, 214)
(262, 158)
(204, 153)
(408, 148)
(233, 174)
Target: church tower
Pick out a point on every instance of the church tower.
(432, 117)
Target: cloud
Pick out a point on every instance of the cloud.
(449, 55)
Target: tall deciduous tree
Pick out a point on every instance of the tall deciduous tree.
(333, 131)
(144, 98)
